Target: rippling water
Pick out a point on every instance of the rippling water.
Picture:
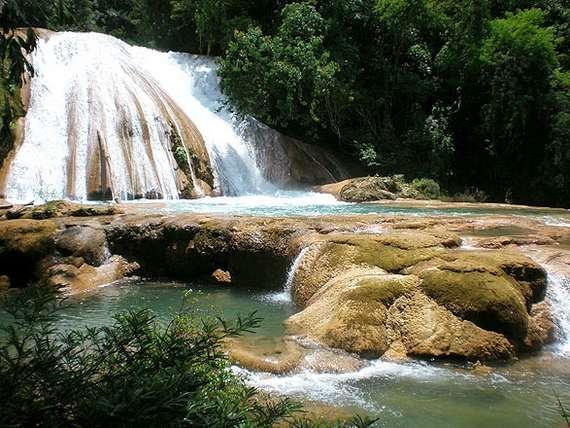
(402, 394)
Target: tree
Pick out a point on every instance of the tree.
(518, 60)
(287, 80)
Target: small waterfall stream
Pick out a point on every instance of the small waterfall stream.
(558, 294)
(284, 296)
(102, 118)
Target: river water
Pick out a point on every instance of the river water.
(401, 394)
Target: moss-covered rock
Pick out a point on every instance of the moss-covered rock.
(489, 300)
(33, 238)
(392, 252)
(375, 188)
(54, 209)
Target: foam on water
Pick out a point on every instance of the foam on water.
(343, 389)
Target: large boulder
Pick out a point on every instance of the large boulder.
(84, 241)
(416, 293)
(392, 252)
(372, 313)
(377, 188)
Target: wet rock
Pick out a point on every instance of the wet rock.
(375, 188)
(473, 293)
(4, 283)
(391, 252)
(220, 276)
(62, 209)
(86, 277)
(84, 241)
(29, 237)
(350, 311)
(541, 327)
(427, 329)
(505, 241)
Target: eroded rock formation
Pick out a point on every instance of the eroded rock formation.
(365, 284)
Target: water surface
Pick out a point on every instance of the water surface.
(408, 394)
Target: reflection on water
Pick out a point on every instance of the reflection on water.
(402, 394)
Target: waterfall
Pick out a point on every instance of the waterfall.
(193, 80)
(284, 296)
(107, 119)
(558, 294)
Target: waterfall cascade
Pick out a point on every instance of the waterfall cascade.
(111, 120)
(558, 295)
(284, 296)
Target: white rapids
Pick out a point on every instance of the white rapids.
(100, 111)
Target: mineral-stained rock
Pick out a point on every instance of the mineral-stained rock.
(428, 330)
(62, 209)
(489, 300)
(395, 287)
(27, 236)
(84, 241)
(86, 277)
(541, 327)
(4, 283)
(221, 276)
(392, 252)
(372, 188)
(350, 311)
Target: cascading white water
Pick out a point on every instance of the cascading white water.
(284, 296)
(101, 111)
(558, 294)
(193, 82)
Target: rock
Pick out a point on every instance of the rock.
(4, 283)
(541, 327)
(505, 241)
(392, 252)
(373, 314)
(486, 298)
(396, 287)
(33, 238)
(86, 277)
(84, 241)
(349, 312)
(62, 209)
(370, 189)
(426, 329)
(220, 276)
(375, 188)
(287, 359)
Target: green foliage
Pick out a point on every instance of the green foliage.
(288, 80)
(426, 187)
(135, 371)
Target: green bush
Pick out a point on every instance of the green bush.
(136, 371)
(426, 187)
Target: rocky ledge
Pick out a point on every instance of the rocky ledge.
(370, 285)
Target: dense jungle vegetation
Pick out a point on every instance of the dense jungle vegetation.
(472, 93)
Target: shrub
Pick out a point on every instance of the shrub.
(136, 371)
(426, 187)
